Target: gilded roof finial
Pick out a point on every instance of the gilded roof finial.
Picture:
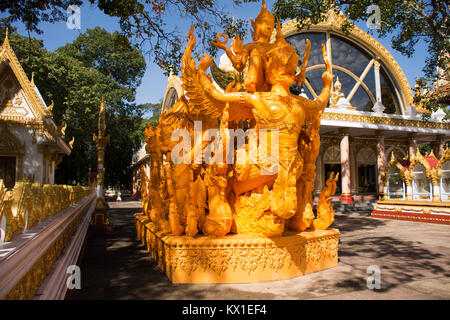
(71, 142)
(32, 79)
(392, 156)
(50, 107)
(432, 153)
(6, 41)
(101, 118)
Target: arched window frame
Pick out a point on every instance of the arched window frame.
(418, 159)
(365, 42)
(394, 163)
(444, 196)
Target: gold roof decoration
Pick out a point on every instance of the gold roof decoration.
(6, 41)
(32, 79)
(26, 84)
(50, 107)
(445, 157)
(62, 128)
(334, 24)
(71, 142)
(419, 158)
(42, 121)
(393, 162)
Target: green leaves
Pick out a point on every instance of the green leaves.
(76, 77)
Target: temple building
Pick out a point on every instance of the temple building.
(371, 112)
(141, 159)
(31, 144)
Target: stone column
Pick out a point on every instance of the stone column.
(381, 162)
(101, 140)
(408, 183)
(436, 188)
(353, 168)
(438, 146)
(412, 144)
(346, 196)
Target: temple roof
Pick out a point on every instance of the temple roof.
(432, 160)
(21, 102)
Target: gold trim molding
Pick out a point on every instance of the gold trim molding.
(384, 120)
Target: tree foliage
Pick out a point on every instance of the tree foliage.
(148, 22)
(76, 77)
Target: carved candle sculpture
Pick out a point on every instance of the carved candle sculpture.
(264, 193)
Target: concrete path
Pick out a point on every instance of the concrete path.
(413, 258)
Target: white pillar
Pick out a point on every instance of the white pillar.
(412, 145)
(381, 162)
(346, 196)
(378, 107)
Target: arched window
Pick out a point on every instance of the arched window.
(395, 184)
(332, 155)
(421, 185)
(172, 97)
(445, 181)
(355, 68)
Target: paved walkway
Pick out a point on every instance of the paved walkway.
(413, 257)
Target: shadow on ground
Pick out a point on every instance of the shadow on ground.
(117, 266)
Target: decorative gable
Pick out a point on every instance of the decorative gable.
(13, 102)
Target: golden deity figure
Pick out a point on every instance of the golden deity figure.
(277, 110)
(253, 53)
(230, 193)
(261, 196)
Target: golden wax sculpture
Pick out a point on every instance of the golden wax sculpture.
(214, 221)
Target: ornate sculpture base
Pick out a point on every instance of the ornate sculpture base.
(100, 218)
(238, 258)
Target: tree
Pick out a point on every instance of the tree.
(77, 86)
(407, 21)
(154, 109)
(145, 21)
(31, 13)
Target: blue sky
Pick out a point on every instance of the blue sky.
(154, 83)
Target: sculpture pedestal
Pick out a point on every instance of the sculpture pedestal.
(100, 218)
(238, 258)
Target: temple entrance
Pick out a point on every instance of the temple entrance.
(366, 179)
(366, 175)
(8, 171)
(336, 168)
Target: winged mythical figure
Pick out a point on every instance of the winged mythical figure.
(263, 194)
